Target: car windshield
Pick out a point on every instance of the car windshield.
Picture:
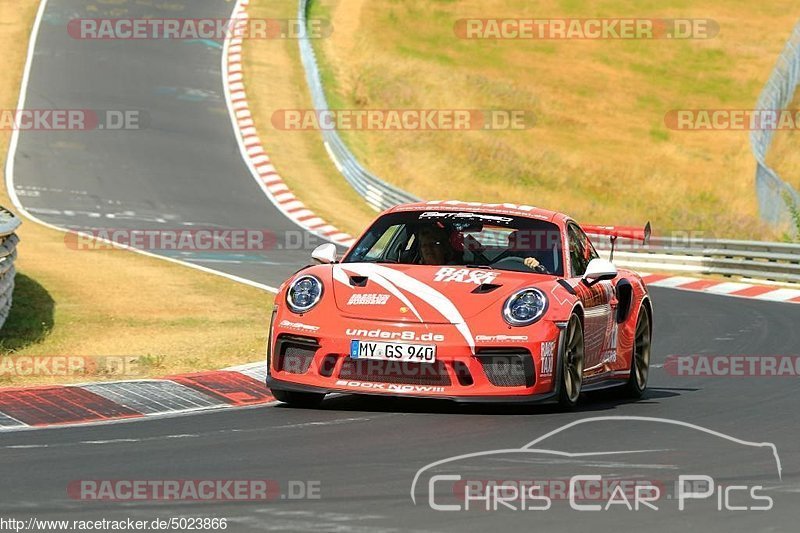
(478, 240)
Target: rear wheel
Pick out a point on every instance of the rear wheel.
(640, 362)
(298, 399)
(572, 365)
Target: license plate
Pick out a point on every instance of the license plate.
(393, 351)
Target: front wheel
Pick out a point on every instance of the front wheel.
(572, 365)
(298, 399)
(640, 361)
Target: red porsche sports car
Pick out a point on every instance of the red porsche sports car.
(465, 301)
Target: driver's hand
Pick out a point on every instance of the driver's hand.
(531, 263)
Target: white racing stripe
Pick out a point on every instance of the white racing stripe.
(339, 275)
(423, 291)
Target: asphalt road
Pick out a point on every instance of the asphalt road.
(180, 169)
(363, 453)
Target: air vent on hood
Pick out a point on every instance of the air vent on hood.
(483, 288)
(358, 281)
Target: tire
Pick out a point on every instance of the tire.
(298, 399)
(569, 389)
(640, 360)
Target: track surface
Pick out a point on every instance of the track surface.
(183, 170)
(366, 451)
(186, 169)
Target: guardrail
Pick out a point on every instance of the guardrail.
(778, 262)
(8, 254)
(768, 261)
(774, 194)
(376, 192)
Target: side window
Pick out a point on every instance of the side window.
(581, 250)
(379, 248)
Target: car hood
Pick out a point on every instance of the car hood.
(421, 293)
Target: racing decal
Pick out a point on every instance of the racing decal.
(454, 215)
(464, 275)
(368, 299)
(388, 387)
(482, 205)
(610, 355)
(548, 348)
(298, 326)
(340, 275)
(394, 335)
(437, 300)
(501, 338)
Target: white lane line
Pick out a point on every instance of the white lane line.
(322, 423)
(12, 152)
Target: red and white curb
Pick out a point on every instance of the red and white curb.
(726, 288)
(253, 150)
(60, 405)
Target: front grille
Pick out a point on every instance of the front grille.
(395, 372)
(507, 368)
(295, 354)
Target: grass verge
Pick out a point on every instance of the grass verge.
(600, 149)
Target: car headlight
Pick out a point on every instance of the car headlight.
(525, 307)
(304, 293)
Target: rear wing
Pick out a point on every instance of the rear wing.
(615, 232)
(626, 232)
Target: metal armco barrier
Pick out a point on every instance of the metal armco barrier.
(770, 261)
(376, 192)
(779, 262)
(8, 253)
(774, 193)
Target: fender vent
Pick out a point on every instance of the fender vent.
(483, 288)
(358, 281)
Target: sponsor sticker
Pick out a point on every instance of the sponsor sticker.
(452, 215)
(548, 348)
(501, 338)
(368, 299)
(394, 335)
(298, 326)
(464, 275)
(388, 387)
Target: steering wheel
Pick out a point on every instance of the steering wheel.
(518, 262)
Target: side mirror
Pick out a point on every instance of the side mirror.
(599, 270)
(324, 253)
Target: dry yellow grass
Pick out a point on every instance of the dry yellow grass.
(600, 149)
(172, 318)
(784, 156)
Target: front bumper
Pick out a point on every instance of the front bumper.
(523, 369)
(276, 384)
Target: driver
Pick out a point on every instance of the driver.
(530, 262)
(434, 248)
